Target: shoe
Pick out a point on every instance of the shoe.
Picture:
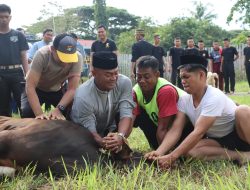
(232, 92)
(227, 92)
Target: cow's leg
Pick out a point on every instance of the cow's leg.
(7, 171)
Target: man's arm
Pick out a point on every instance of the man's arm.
(170, 63)
(222, 62)
(133, 61)
(171, 137)
(210, 65)
(201, 127)
(32, 80)
(24, 60)
(236, 55)
(163, 126)
(132, 67)
(91, 64)
(67, 98)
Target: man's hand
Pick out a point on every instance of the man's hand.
(113, 142)
(55, 114)
(152, 155)
(43, 116)
(165, 162)
(169, 69)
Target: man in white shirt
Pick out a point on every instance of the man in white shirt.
(221, 129)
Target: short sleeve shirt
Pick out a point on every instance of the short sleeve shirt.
(53, 74)
(141, 48)
(192, 51)
(204, 53)
(11, 45)
(167, 98)
(158, 54)
(214, 103)
(175, 53)
(98, 45)
(215, 55)
(228, 54)
(246, 52)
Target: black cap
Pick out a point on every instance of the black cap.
(193, 61)
(105, 60)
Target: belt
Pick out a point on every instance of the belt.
(6, 67)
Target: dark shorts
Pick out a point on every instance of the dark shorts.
(232, 141)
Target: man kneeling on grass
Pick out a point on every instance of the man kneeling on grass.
(221, 129)
(156, 101)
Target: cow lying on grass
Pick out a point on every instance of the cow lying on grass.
(45, 143)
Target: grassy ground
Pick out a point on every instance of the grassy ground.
(192, 174)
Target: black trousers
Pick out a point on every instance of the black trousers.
(149, 129)
(247, 66)
(11, 81)
(50, 98)
(229, 75)
(175, 79)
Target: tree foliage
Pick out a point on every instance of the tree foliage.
(100, 13)
(202, 13)
(242, 7)
(82, 21)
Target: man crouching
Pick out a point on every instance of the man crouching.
(221, 129)
(104, 103)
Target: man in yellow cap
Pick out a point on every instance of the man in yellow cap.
(50, 68)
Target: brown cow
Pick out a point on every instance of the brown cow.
(44, 143)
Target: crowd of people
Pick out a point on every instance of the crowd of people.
(184, 117)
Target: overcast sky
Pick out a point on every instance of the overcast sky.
(26, 12)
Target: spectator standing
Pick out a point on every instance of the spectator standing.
(140, 48)
(174, 62)
(159, 54)
(191, 48)
(47, 39)
(103, 44)
(80, 49)
(229, 55)
(13, 62)
(246, 52)
(215, 57)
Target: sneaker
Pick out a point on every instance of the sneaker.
(232, 92)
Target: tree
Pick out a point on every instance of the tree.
(120, 21)
(126, 39)
(51, 10)
(81, 20)
(100, 13)
(242, 7)
(202, 13)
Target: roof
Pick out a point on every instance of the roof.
(86, 43)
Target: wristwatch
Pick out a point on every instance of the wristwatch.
(122, 135)
(61, 108)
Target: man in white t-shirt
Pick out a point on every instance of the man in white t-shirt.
(221, 129)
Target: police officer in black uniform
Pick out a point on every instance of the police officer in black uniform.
(13, 62)
(246, 53)
(140, 48)
(228, 56)
(103, 44)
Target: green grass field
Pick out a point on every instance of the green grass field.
(192, 174)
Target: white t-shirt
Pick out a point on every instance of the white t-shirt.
(214, 103)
